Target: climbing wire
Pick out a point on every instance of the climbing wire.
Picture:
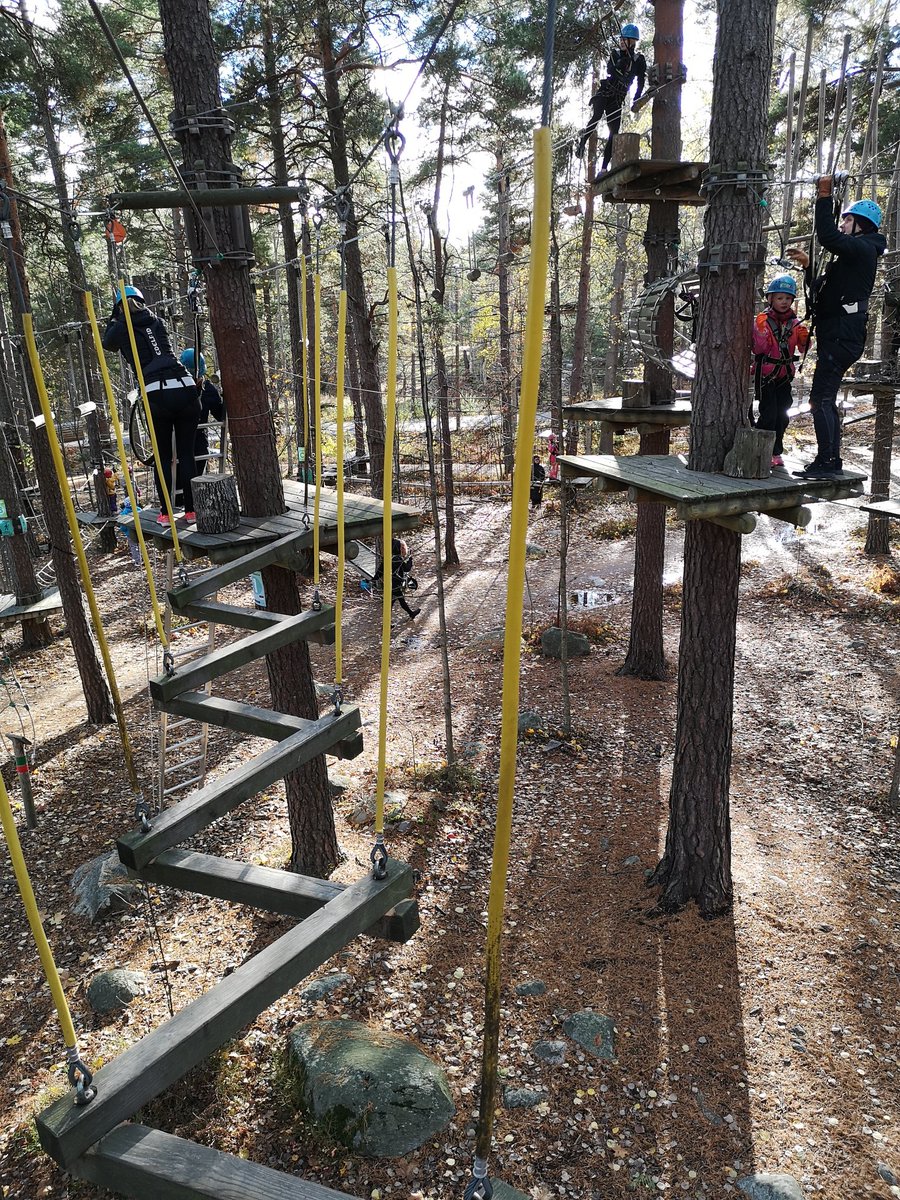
(317, 400)
(79, 1076)
(304, 349)
(479, 1187)
(393, 143)
(342, 204)
(6, 231)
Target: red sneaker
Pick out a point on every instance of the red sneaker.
(163, 519)
(190, 517)
(777, 460)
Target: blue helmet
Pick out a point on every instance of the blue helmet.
(129, 291)
(782, 283)
(630, 31)
(187, 360)
(865, 208)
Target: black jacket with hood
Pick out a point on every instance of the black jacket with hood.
(843, 290)
(152, 340)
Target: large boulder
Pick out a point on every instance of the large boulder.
(102, 886)
(113, 990)
(375, 1092)
(770, 1187)
(577, 645)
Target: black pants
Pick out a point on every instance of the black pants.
(835, 352)
(175, 410)
(774, 402)
(397, 597)
(604, 104)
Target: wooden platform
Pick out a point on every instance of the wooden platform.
(705, 495)
(49, 602)
(613, 411)
(884, 508)
(362, 518)
(650, 179)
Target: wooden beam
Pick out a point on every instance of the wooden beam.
(237, 654)
(215, 799)
(169, 1052)
(639, 496)
(743, 523)
(150, 1165)
(207, 198)
(266, 888)
(796, 514)
(247, 718)
(232, 615)
(211, 581)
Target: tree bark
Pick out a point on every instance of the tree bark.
(507, 422)
(878, 535)
(93, 683)
(194, 71)
(696, 863)
(583, 303)
(613, 365)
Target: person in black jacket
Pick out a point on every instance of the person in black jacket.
(211, 405)
(624, 66)
(840, 302)
(171, 392)
(538, 476)
(401, 575)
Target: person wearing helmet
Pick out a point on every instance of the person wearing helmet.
(840, 302)
(211, 406)
(778, 337)
(624, 66)
(171, 392)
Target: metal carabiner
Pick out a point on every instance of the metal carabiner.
(379, 860)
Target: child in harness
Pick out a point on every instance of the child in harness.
(779, 336)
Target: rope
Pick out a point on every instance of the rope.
(343, 216)
(317, 399)
(79, 1076)
(479, 1188)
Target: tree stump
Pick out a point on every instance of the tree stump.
(216, 503)
(626, 148)
(751, 455)
(635, 394)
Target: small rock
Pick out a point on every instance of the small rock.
(338, 784)
(522, 1098)
(532, 987)
(531, 721)
(706, 1109)
(323, 987)
(490, 639)
(113, 990)
(770, 1187)
(394, 804)
(102, 887)
(593, 1032)
(404, 826)
(553, 1053)
(533, 550)
(887, 1175)
(631, 861)
(577, 645)
(363, 814)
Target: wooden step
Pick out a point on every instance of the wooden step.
(228, 658)
(151, 1165)
(169, 1052)
(247, 718)
(266, 888)
(232, 614)
(281, 550)
(215, 799)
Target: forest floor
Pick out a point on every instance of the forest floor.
(766, 1040)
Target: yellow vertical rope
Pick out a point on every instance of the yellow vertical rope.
(78, 545)
(167, 499)
(512, 653)
(34, 920)
(123, 462)
(304, 366)
(387, 491)
(339, 388)
(317, 390)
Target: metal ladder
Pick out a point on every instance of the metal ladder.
(181, 756)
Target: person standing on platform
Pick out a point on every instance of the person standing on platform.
(625, 66)
(840, 306)
(211, 405)
(538, 475)
(171, 393)
(778, 337)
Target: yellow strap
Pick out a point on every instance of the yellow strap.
(512, 652)
(78, 545)
(387, 492)
(123, 462)
(167, 499)
(317, 362)
(304, 367)
(339, 389)
(34, 920)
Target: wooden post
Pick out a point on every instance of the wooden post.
(216, 503)
(626, 149)
(24, 774)
(751, 455)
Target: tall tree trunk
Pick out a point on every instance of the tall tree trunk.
(613, 364)
(577, 389)
(507, 421)
(310, 418)
(367, 351)
(555, 332)
(359, 428)
(194, 71)
(646, 656)
(93, 683)
(696, 863)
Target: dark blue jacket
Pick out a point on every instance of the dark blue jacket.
(152, 340)
(850, 277)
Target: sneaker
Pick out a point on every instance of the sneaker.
(190, 517)
(804, 471)
(777, 460)
(824, 470)
(163, 519)
(415, 612)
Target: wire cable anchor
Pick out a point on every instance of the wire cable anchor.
(379, 858)
(79, 1077)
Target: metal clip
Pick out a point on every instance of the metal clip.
(337, 699)
(79, 1077)
(142, 814)
(316, 601)
(379, 860)
(168, 662)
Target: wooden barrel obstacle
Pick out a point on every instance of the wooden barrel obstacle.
(91, 1142)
